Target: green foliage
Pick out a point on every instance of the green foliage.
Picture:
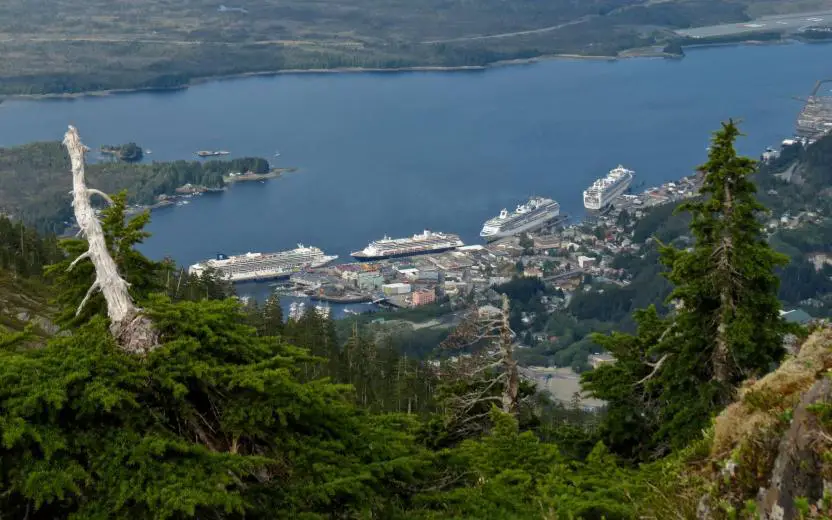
(228, 418)
(631, 421)
(729, 326)
(197, 41)
(214, 420)
(509, 474)
(673, 375)
(24, 251)
(35, 181)
(130, 152)
(122, 235)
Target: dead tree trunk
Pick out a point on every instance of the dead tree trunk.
(132, 330)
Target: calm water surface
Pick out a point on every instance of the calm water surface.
(397, 153)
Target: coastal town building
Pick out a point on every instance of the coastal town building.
(423, 297)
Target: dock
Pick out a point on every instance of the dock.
(815, 120)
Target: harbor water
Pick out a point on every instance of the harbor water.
(397, 153)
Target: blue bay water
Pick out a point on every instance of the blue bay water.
(384, 153)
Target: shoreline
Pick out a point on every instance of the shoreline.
(341, 70)
(625, 54)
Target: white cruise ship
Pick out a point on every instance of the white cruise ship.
(603, 191)
(526, 217)
(264, 266)
(426, 242)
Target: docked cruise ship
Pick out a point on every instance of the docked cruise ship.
(264, 266)
(426, 242)
(603, 191)
(526, 217)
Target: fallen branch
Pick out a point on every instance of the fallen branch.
(132, 330)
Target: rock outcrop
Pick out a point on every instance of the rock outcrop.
(769, 448)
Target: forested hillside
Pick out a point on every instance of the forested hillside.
(34, 186)
(93, 45)
(192, 405)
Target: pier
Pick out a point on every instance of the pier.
(815, 120)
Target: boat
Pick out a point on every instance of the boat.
(209, 153)
(264, 266)
(603, 191)
(526, 217)
(425, 242)
(277, 154)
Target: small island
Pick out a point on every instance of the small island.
(130, 152)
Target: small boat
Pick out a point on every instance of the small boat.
(277, 154)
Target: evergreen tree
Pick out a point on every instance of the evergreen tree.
(726, 285)
(272, 312)
(726, 326)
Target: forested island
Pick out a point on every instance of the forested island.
(193, 405)
(34, 187)
(130, 152)
(160, 45)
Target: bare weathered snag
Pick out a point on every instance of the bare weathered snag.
(496, 352)
(132, 330)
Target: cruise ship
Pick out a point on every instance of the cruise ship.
(526, 217)
(264, 266)
(603, 191)
(426, 242)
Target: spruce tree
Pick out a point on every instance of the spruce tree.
(272, 313)
(726, 286)
(726, 327)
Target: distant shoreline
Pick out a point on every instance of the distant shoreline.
(344, 70)
(626, 54)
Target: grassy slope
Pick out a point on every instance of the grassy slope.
(71, 46)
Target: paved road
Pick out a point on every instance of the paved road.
(789, 23)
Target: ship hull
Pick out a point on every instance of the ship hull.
(361, 257)
(528, 226)
(273, 274)
(609, 198)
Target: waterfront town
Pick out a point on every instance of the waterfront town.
(561, 254)
(565, 256)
